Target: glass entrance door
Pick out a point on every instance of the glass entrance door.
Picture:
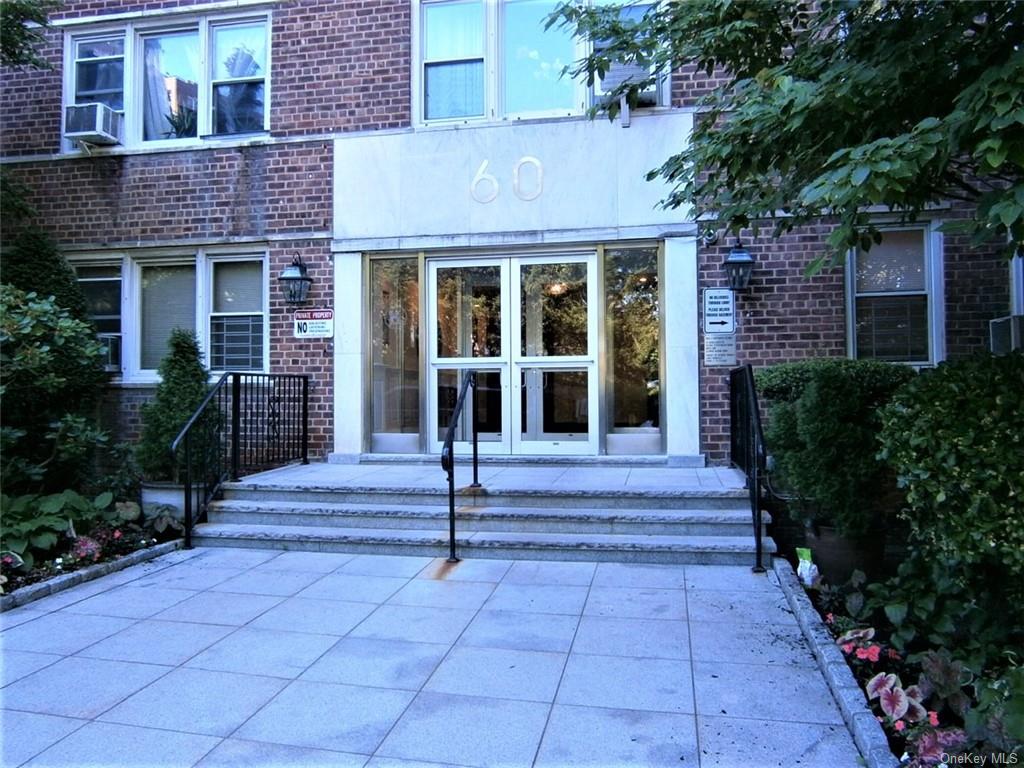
(528, 325)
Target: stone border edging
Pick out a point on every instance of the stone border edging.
(34, 592)
(866, 730)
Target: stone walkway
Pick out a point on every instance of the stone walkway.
(221, 657)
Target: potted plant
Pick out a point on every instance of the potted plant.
(184, 383)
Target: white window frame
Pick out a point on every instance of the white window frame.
(934, 291)
(113, 261)
(494, 97)
(203, 260)
(134, 33)
(207, 312)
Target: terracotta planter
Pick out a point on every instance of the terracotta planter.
(171, 494)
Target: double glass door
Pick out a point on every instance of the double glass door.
(528, 326)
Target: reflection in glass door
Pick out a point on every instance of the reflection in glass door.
(528, 326)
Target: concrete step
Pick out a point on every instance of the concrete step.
(553, 519)
(493, 496)
(638, 548)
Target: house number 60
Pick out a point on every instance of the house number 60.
(485, 188)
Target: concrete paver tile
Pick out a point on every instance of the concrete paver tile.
(642, 638)
(467, 730)
(196, 701)
(157, 642)
(19, 664)
(612, 681)
(233, 557)
(236, 753)
(131, 602)
(734, 578)
(62, 633)
(321, 617)
(732, 743)
(521, 631)
(26, 734)
(385, 565)
(443, 594)
(378, 663)
(416, 624)
(270, 652)
(750, 643)
(344, 718)
(762, 692)
(281, 583)
(76, 687)
(537, 598)
(16, 616)
(315, 562)
(636, 603)
(465, 570)
(107, 744)
(737, 606)
(640, 575)
(587, 736)
(219, 608)
(359, 588)
(550, 572)
(188, 576)
(499, 673)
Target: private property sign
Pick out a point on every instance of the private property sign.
(719, 311)
(314, 323)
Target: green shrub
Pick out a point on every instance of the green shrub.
(955, 438)
(184, 382)
(51, 376)
(821, 432)
(32, 262)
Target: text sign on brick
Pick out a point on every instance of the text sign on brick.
(719, 311)
(720, 350)
(314, 323)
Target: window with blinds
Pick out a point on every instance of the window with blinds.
(236, 319)
(890, 299)
(168, 301)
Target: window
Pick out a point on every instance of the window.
(893, 301)
(620, 72)
(101, 286)
(206, 77)
(495, 59)
(221, 296)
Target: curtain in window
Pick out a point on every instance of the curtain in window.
(171, 86)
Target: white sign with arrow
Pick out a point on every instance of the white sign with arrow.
(719, 311)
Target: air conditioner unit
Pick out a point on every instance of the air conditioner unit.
(620, 72)
(1006, 334)
(93, 123)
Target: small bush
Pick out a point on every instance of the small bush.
(184, 382)
(955, 438)
(33, 262)
(822, 425)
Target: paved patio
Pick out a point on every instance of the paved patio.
(220, 657)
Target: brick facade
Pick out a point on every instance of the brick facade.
(345, 66)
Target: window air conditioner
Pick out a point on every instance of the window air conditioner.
(93, 123)
(1006, 334)
(620, 72)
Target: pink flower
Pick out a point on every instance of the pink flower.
(117, 534)
(847, 647)
(933, 718)
(829, 618)
(894, 654)
(862, 653)
(873, 652)
(898, 725)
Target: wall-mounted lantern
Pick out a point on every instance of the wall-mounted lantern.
(739, 265)
(295, 282)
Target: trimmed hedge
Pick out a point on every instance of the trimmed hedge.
(955, 438)
(822, 425)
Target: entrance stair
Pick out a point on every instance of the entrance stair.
(596, 512)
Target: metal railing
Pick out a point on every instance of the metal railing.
(747, 449)
(448, 456)
(247, 423)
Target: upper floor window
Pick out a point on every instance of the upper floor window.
(894, 299)
(494, 59)
(206, 77)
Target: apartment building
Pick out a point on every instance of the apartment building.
(427, 169)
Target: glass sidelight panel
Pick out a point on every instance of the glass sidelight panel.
(633, 317)
(555, 404)
(488, 407)
(469, 311)
(553, 309)
(395, 345)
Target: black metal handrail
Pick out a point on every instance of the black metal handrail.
(448, 456)
(747, 449)
(248, 422)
